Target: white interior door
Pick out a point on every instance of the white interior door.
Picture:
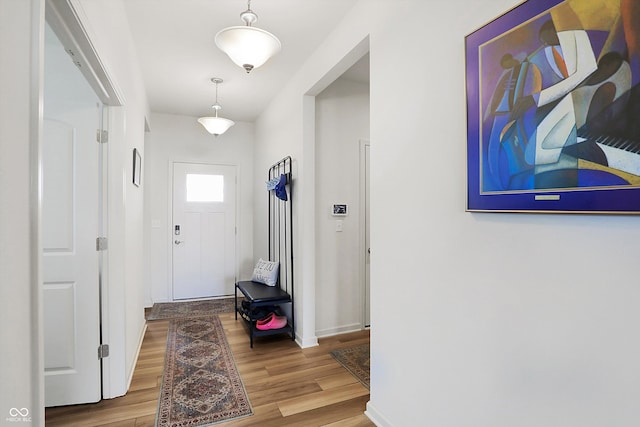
(70, 215)
(204, 230)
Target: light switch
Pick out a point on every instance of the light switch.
(338, 225)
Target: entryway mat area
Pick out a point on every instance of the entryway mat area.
(176, 310)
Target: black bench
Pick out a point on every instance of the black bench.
(260, 295)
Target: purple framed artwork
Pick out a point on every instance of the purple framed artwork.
(553, 109)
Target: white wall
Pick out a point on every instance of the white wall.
(22, 368)
(524, 319)
(342, 121)
(176, 138)
(519, 319)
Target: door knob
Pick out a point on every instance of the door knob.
(177, 242)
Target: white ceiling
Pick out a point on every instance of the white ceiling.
(174, 40)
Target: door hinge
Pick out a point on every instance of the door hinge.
(103, 351)
(102, 136)
(101, 243)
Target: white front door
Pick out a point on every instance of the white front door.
(204, 230)
(70, 213)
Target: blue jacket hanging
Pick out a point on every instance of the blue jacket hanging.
(279, 186)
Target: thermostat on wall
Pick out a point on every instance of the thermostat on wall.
(339, 210)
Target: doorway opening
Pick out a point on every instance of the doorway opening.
(341, 124)
(76, 97)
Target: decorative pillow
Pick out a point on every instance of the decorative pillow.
(266, 272)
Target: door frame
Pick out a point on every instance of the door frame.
(362, 259)
(169, 229)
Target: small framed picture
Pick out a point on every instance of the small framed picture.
(137, 167)
(339, 210)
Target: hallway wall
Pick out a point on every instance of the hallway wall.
(517, 319)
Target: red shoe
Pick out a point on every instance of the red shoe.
(276, 322)
(266, 319)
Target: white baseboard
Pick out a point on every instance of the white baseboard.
(376, 417)
(135, 359)
(329, 332)
(306, 342)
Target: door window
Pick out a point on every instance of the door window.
(205, 188)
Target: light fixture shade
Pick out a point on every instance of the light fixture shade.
(216, 125)
(249, 47)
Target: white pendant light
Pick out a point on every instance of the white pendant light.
(248, 46)
(216, 125)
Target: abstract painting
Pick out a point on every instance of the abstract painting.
(553, 108)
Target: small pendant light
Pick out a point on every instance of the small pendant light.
(216, 125)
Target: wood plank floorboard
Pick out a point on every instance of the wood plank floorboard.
(287, 386)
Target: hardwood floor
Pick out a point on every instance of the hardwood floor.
(287, 386)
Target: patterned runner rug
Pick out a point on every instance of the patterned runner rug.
(201, 384)
(356, 361)
(174, 310)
